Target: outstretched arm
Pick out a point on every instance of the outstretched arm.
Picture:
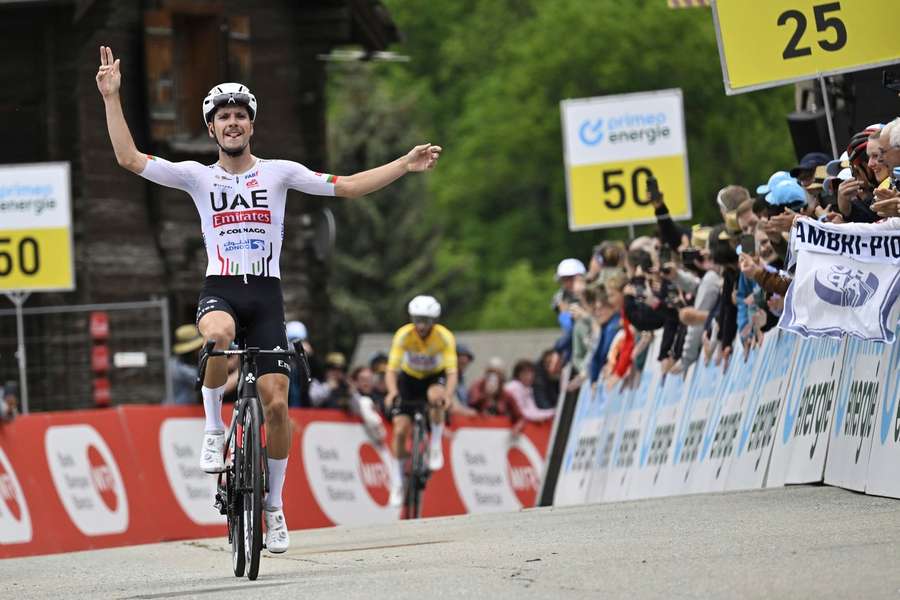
(109, 80)
(420, 158)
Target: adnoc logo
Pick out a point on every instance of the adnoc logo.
(374, 474)
(87, 479)
(15, 522)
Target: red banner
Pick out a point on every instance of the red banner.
(94, 479)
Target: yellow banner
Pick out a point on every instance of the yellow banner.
(768, 43)
(35, 259)
(615, 193)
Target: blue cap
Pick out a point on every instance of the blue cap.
(773, 179)
(787, 192)
(810, 161)
(296, 331)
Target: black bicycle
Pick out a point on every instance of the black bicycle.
(417, 472)
(242, 486)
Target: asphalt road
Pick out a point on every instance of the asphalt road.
(796, 542)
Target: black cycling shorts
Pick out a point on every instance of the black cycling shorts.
(257, 308)
(414, 393)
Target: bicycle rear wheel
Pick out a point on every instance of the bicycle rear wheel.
(252, 489)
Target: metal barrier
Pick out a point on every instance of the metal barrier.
(64, 365)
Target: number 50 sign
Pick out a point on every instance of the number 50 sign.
(612, 146)
(773, 42)
(35, 228)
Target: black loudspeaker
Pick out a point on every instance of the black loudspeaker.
(809, 132)
(870, 102)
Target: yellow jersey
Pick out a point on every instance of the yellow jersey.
(419, 357)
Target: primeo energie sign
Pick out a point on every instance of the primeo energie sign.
(611, 145)
(36, 228)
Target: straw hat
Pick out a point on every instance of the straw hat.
(187, 339)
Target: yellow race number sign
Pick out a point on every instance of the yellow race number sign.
(613, 146)
(35, 228)
(770, 43)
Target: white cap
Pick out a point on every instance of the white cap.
(569, 267)
(296, 331)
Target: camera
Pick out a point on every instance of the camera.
(890, 80)
(689, 256)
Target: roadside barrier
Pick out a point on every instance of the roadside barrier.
(792, 411)
(130, 475)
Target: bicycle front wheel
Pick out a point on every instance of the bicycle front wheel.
(252, 488)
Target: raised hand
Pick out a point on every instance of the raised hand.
(109, 78)
(422, 158)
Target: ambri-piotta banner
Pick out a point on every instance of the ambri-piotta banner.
(612, 145)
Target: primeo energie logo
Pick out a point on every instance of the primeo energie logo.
(87, 479)
(628, 127)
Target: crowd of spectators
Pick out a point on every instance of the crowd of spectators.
(705, 289)
(713, 286)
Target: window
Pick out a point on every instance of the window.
(187, 52)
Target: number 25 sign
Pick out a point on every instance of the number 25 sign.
(774, 42)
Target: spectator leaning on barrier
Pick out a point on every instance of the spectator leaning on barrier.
(464, 358)
(362, 386)
(487, 395)
(378, 365)
(520, 389)
(708, 292)
(887, 197)
(183, 364)
(546, 379)
(335, 390)
(608, 316)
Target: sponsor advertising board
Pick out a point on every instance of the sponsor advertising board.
(92, 479)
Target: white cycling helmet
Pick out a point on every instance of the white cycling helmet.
(226, 93)
(424, 306)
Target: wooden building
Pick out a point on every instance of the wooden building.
(133, 239)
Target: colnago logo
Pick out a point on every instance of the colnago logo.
(375, 475)
(628, 127)
(260, 230)
(15, 520)
(242, 216)
(523, 477)
(87, 479)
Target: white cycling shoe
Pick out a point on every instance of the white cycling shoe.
(212, 454)
(435, 458)
(277, 538)
(396, 497)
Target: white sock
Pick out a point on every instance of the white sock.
(277, 469)
(437, 434)
(397, 472)
(212, 406)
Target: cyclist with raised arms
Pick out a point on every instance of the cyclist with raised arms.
(241, 202)
(421, 371)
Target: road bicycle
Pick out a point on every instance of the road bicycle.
(418, 472)
(242, 486)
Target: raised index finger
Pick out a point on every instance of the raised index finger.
(109, 56)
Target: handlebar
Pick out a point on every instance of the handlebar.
(208, 350)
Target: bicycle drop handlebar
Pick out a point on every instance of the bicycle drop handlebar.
(209, 350)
